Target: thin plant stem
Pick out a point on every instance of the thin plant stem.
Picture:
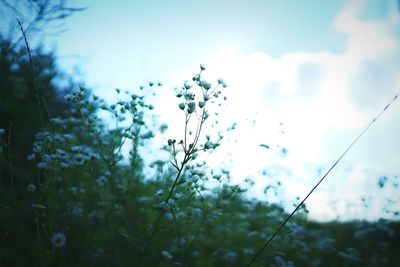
(155, 226)
(198, 230)
(198, 130)
(38, 96)
(188, 149)
(9, 159)
(319, 182)
(186, 123)
(111, 166)
(39, 240)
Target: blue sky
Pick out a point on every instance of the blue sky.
(153, 39)
(322, 68)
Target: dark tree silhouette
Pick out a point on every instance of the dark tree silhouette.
(30, 84)
(35, 15)
(20, 112)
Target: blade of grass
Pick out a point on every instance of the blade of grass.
(38, 96)
(319, 182)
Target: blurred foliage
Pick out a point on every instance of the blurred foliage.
(23, 110)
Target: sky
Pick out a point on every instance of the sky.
(306, 76)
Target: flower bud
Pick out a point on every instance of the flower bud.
(208, 145)
(205, 85)
(187, 86)
(192, 105)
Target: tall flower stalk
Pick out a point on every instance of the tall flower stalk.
(184, 151)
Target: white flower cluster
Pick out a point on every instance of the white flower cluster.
(48, 156)
(189, 100)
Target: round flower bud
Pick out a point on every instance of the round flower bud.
(182, 106)
(192, 105)
(202, 104)
(205, 85)
(222, 82)
(187, 86)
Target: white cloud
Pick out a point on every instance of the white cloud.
(367, 39)
(270, 91)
